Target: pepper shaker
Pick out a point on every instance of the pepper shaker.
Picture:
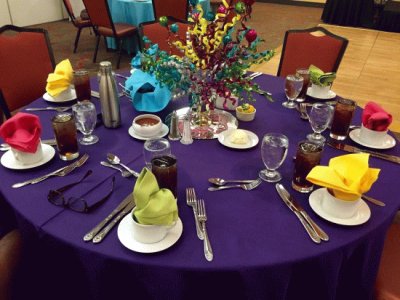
(173, 128)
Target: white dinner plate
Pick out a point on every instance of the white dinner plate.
(125, 236)
(62, 97)
(8, 160)
(164, 131)
(330, 95)
(388, 143)
(223, 138)
(363, 214)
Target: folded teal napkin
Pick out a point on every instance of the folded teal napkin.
(146, 93)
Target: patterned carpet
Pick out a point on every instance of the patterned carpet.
(270, 20)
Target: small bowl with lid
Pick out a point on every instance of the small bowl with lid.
(147, 125)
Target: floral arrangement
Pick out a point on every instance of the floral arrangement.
(217, 50)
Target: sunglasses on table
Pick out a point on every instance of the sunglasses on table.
(77, 204)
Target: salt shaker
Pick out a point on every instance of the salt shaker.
(109, 100)
(173, 128)
(187, 133)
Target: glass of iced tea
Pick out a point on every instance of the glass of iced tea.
(342, 116)
(305, 73)
(308, 156)
(165, 170)
(82, 85)
(66, 136)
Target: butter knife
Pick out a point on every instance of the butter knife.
(313, 235)
(92, 233)
(352, 149)
(322, 234)
(100, 236)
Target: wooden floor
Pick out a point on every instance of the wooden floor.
(370, 69)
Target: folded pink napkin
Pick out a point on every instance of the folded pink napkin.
(22, 132)
(374, 117)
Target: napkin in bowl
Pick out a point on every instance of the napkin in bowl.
(61, 79)
(348, 176)
(154, 206)
(374, 117)
(318, 77)
(22, 132)
(146, 92)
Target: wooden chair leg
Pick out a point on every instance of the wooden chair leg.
(97, 48)
(78, 34)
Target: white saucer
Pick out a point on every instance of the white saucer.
(223, 138)
(63, 97)
(8, 160)
(125, 236)
(330, 95)
(363, 214)
(164, 131)
(388, 143)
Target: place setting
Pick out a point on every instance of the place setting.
(321, 83)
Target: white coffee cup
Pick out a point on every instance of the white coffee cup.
(26, 158)
(149, 234)
(320, 91)
(372, 137)
(339, 208)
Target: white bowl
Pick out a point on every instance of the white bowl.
(343, 209)
(320, 91)
(245, 116)
(372, 137)
(147, 125)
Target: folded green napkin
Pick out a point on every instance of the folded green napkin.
(318, 77)
(154, 206)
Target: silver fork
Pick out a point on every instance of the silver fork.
(191, 201)
(247, 187)
(202, 215)
(58, 109)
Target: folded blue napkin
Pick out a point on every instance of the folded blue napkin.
(146, 93)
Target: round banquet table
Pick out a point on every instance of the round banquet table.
(261, 251)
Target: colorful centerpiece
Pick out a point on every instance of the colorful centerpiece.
(217, 50)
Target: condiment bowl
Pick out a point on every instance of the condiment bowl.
(147, 125)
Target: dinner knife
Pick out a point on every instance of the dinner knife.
(313, 235)
(92, 233)
(100, 236)
(322, 234)
(352, 149)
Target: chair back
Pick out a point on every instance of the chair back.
(99, 14)
(178, 9)
(26, 59)
(316, 46)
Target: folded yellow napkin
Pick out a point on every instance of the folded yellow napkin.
(348, 176)
(61, 79)
(154, 206)
(318, 77)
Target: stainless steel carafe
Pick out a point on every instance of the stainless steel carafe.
(109, 96)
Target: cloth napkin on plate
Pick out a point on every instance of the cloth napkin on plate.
(318, 77)
(374, 117)
(348, 176)
(146, 92)
(154, 206)
(61, 79)
(22, 132)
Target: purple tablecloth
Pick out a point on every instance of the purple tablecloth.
(261, 251)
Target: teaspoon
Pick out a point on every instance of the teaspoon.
(221, 182)
(124, 173)
(114, 160)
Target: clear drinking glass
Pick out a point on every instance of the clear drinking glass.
(293, 86)
(155, 148)
(85, 119)
(274, 149)
(305, 73)
(319, 117)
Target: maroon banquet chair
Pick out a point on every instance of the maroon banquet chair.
(178, 9)
(78, 22)
(99, 13)
(316, 46)
(26, 59)
(158, 34)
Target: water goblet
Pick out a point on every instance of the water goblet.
(293, 86)
(85, 120)
(319, 117)
(274, 149)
